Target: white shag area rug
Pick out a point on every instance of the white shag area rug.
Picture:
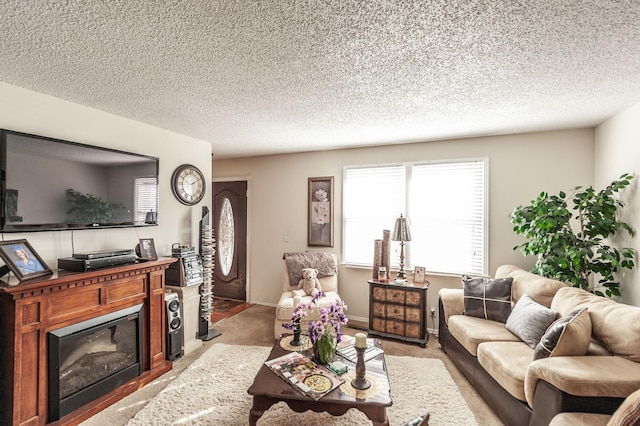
(213, 391)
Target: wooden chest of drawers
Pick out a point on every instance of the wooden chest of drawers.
(399, 311)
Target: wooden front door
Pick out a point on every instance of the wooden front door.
(230, 231)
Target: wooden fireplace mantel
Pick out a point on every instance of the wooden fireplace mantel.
(30, 309)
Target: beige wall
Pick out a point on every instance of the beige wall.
(30, 112)
(617, 152)
(520, 166)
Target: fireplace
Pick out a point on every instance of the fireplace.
(88, 359)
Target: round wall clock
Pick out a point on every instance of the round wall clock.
(188, 184)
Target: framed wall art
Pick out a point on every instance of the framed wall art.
(320, 222)
(21, 259)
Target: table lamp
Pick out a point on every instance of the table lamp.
(402, 233)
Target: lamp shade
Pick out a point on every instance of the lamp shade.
(401, 231)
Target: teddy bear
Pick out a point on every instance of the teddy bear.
(309, 284)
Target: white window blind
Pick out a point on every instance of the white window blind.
(145, 195)
(373, 198)
(444, 201)
(447, 213)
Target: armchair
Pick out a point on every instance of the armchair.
(327, 266)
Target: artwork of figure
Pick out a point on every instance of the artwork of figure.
(26, 263)
(321, 213)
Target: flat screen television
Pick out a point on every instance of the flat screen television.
(50, 184)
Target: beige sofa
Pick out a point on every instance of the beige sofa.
(527, 392)
(628, 414)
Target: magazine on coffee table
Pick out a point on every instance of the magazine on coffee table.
(304, 374)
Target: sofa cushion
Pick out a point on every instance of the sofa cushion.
(567, 336)
(606, 317)
(487, 298)
(507, 363)
(628, 414)
(471, 331)
(529, 320)
(582, 419)
(609, 376)
(539, 288)
(596, 349)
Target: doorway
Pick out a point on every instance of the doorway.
(230, 233)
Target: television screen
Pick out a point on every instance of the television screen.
(51, 184)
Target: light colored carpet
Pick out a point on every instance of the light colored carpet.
(213, 391)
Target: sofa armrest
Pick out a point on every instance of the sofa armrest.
(452, 302)
(595, 376)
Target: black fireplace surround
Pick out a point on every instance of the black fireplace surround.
(88, 359)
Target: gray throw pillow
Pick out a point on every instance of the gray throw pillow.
(487, 298)
(529, 320)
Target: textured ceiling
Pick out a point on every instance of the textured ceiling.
(259, 77)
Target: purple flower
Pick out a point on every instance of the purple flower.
(331, 318)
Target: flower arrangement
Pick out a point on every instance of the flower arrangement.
(320, 331)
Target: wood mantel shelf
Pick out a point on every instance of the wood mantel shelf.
(30, 309)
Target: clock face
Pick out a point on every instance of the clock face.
(188, 184)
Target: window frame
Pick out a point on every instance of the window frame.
(408, 167)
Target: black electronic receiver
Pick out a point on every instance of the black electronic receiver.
(103, 253)
(84, 265)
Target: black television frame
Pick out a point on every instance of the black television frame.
(12, 227)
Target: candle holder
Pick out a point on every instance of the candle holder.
(360, 382)
(296, 341)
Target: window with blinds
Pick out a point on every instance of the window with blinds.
(444, 201)
(145, 195)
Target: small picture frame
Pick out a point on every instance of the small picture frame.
(320, 220)
(147, 249)
(22, 260)
(418, 274)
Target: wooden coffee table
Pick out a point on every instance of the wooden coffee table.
(268, 389)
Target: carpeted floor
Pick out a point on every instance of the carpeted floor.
(213, 391)
(254, 326)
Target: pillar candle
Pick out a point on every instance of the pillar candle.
(296, 301)
(377, 257)
(386, 250)
(361, 340)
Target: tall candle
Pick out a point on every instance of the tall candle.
(386, 250)
(296, 301)
(361, 340)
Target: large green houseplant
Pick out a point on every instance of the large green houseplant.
(571, 245)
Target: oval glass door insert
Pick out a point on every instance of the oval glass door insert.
(226, 236)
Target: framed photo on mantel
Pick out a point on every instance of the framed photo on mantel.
(320, 221)
(21, 259)
(147, 249)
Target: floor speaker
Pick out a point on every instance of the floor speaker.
(174, 326)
